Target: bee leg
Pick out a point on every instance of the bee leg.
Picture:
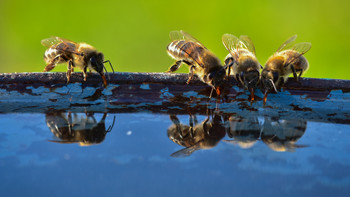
(70, 70)
(191, 74)
(239, 80)
(84, 72)
(174, 67)
(300, 73)
(176, 122)
(191, 126)
(279, 84)
(228, 65)
(52, 65)
(205, 128)
(294, 73)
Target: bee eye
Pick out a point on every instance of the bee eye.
(93, 60)
(211, 75)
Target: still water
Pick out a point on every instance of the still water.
(64, 153)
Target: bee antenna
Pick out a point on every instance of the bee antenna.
(109, 64)
(273, 84)
(111, 126)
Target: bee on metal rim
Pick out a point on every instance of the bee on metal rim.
(242, 61)
(80, 55)
(288, 59)
(202, 62)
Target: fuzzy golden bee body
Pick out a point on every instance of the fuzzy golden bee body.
(287, 60)
(241, 61)
(203, 63)
(81, 55)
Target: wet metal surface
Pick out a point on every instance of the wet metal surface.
(314, 99)
(154, 135)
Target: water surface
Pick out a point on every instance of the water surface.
(55, 154)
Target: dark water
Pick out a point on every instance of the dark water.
(79, 154)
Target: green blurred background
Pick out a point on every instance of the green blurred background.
(134, 34)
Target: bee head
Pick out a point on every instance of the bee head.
(96, 60)
(250, 78)
(269, 78)
(216, 77)
(97, 63)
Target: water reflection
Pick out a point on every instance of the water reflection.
(81, 128)
(282, 135)
(196, 136)
(245, 131)
(278, 134)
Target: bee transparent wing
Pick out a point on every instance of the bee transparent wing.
(69, 46)
(301, 48)
(248, 43)
(48, 42)
(185, 152)
(176, 35)
(181, 35)
(287, 43)
(232, 43)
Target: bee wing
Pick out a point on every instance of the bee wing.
(301, 48)
(232, 43)
(185, 152)
(48, 42)
(181, 35)
(69, 46)
(248, 43)
(287, 43)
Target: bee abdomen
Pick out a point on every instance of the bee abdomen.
(182, 49)
(50, 54)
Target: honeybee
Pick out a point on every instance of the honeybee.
(81, 55)
(202, 62)
(282, 135)
(288, 59)
(196, 136)
(242, 62)
(77, 129)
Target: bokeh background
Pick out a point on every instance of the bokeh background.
(134, 34)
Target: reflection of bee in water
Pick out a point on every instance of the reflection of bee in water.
(281, 135)
(196, 136)
(186, 49)
(244, 130)
(77, 129)
(81, 55)
(287, 60)
(242, 62)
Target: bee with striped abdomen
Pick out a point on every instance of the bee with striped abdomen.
(186, 49)
(242, 62)
(288, 59)
(80, 55)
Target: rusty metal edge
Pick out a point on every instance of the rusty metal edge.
(165, 78)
